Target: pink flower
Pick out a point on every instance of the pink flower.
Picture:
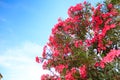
(78, 7)
(93, 9)
(102, 64)
(110, 6)
(45, 77)
(105, 15)
(96, 64)
(44, 66)
(60, 68)
(72, 9)
(37, 59)
(111, 55)
(109, 58)
(69, 76)
(112, 26)
(78, 43)
(83, 71)
(88, 42)
(85, 2)
(59, 79)
(57, 26)
(67, 49)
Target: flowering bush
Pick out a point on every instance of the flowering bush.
(85, 46)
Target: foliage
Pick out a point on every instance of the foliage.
(85, 46)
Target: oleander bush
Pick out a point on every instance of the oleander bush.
(86, 45)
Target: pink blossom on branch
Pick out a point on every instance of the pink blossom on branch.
(83, 72)
(111, 56)
(37, 59)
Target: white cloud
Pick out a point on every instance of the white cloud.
(19, 62)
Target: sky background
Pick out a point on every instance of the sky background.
(25, 26)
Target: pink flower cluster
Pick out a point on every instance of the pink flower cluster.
(83, 72)
(71, 38)
(60, 68)
(111, 56)
(102, 23)
(69, 75)
(49, 77)
(108, 58)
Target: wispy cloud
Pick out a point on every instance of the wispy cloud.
(19, 62)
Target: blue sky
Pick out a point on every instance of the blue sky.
(25, 26)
